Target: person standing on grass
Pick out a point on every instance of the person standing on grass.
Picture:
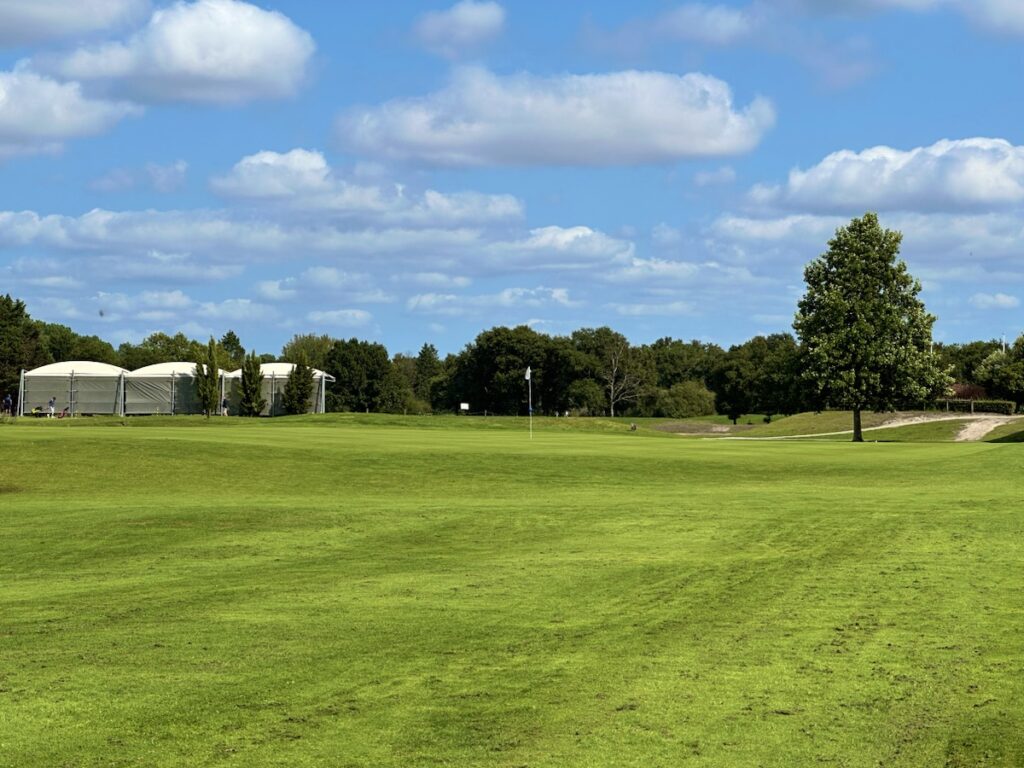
(53, 406)
(8, 409)
(224, 407)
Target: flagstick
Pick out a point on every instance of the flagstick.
(530, 383)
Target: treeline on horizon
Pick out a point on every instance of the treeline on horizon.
(590, 372)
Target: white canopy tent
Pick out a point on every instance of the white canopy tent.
(275, 376)
(80, 386)
(164, 388)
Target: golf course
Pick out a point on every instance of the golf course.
(351, 590)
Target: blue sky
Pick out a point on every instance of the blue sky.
(409, 172)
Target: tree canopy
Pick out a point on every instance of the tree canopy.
(865, 332)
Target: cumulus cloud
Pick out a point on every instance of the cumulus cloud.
(34, 21)
(948, 175)
(461, 29)
(994, 301)
(303, 180)
(621, 118)
(38, 114)
(208, 51)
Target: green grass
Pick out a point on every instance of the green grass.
(360, 591)
(816, 423)
(928, 432)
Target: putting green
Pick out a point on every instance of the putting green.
(390, 592)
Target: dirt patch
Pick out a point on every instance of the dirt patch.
(701, 428)
(979, 427)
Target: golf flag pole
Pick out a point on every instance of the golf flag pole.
(529, 387)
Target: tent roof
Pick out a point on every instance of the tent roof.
(285, 369)
(77, 367)
(165, 369)
(279, 369)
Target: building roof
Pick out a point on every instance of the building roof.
(78, 368)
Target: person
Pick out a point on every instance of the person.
(224, 407)
(53, 406)
(8, 405)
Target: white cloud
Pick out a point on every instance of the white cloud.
(947, 175)
(208, 51)
(666, 236)
(303, 180)
(654, 310)
(38, 114)
(711, 24)
(994, 301)
(719, 177)
(162, 178)
(609, 119)
(655, 272)
(167, 178)
(237, 310)
(432, 279)
(341, 318)
(1003, 17)
(509, 298)
(461, 29)
(553, 248)
(33, 21)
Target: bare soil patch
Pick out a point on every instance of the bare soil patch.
(701, 428)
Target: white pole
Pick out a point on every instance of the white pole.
(21, 394)
(530, 388)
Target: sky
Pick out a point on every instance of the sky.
(411, 172)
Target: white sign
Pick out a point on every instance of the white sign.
(463, 406)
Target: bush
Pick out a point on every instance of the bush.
(684, 400)
(1007, 407)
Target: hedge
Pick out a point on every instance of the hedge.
(1007, 407)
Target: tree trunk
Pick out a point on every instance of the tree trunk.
(858, 435)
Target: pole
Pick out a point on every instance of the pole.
(21, 394)
(530, 388)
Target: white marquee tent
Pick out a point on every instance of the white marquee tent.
(80, 386)
(275, 376)
(86, 388)
(162, 388)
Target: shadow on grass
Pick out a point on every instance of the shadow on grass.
(1013, 437)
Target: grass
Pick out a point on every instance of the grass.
(927, 432)
(360, 591)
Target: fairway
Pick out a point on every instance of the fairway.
(338, 591)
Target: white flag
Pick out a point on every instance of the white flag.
(527, 373)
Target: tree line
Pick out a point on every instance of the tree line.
(863, 342)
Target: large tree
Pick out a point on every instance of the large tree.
(865, 332)
(21, 344)
(625, 372)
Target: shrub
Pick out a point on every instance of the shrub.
(685, 399)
